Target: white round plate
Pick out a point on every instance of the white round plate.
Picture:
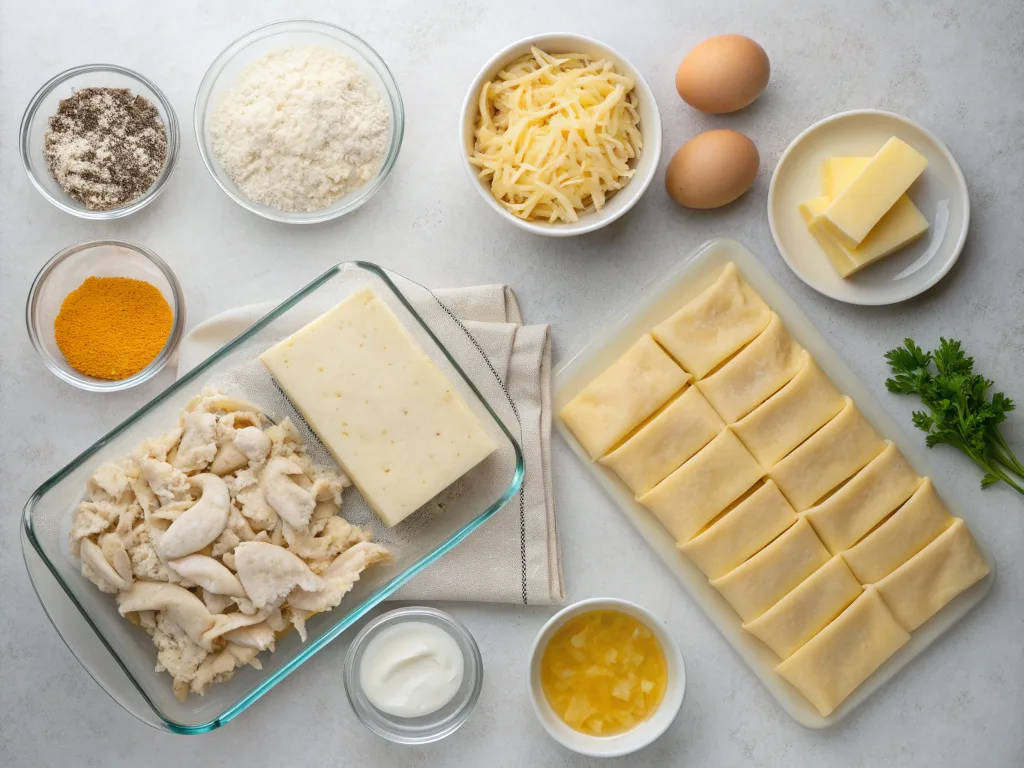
(940, 193)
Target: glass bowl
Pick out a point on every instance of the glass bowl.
(436, 725)
(44, 104)
(414, 543)
(67, 271)
(283, 34)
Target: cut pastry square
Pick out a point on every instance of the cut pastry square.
(741, 531)
(711, 327)
(617, 401)
(843, 518)
(919, 588)
(832, 664)
(805, 611)
(664, 443)
(827, 458)
(774, 572)
(698, 491)
(791, 415)
(910, 528)
(756, 373)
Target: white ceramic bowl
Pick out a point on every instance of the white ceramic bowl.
(644, 733)
(940, 193)
(646, 162)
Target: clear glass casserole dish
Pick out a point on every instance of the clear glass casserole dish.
(415, 543)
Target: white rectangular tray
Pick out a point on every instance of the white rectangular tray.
(659, 300)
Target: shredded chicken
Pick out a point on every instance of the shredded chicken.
(216, 537)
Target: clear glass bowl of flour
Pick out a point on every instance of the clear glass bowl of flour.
(223, 74)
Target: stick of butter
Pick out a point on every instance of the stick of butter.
(855, 211)
(387, 414)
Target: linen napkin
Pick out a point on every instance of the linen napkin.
(513, 557)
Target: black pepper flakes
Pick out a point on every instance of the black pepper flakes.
(105, 147)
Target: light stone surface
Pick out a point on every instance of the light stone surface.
(955, 66)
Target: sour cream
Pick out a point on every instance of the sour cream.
(411, 669)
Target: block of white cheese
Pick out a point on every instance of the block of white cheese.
(388, 415)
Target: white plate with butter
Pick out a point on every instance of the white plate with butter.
(940, 193)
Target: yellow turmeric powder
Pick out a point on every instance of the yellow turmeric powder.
(112, 327)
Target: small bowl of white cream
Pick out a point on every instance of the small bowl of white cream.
(413, 675)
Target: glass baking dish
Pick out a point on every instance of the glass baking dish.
(415, 543)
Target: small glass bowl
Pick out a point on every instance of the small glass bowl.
(67, 271)
(432, 727)
(44, 104)
(283, 34)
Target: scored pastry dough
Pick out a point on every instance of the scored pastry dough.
(694, 494)
(791, 415)
(757, 372)
(926, 582)
(715, 324)
(801, 614)
(630, 390)
(845, 516)
(661, 446)
(774, 572)
(743, 530)
(826, 458)
(831, 665)
(902, 536)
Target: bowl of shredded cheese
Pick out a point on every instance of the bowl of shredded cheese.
(561, 135)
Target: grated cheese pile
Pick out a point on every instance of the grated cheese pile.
(555, 135)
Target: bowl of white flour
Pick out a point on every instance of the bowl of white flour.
(299, 121)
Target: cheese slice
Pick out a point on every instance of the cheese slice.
(909, 530)
(693, 495)
(803, 613)
(617, 401)
(919, 588)
(663, 444)
(390, 418)
(831, 665)
(860, 206)
(902, 225)
(849, 513)
(774, 572)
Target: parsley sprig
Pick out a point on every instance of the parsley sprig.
(959, 411)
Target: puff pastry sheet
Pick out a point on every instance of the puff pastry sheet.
(661, 446)
(899, 538)
(826, 458)
(774, 572)
(791, 415)
(715, 324)
(805, 611)
(634, 387)
(742, 531)
(845, 516)
(926, 582)
(831, 665)
(694, 494)
(756, 373)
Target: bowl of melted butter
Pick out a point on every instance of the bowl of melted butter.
(606, 677)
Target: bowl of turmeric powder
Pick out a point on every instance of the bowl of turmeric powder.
(105, 315)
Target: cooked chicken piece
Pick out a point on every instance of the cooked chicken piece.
(91, 518)
(260, 514)
(181, 606)
(198, 443)
(259, 637)
(177, 653)
(167, 483)
(216, 603)
(201, 524)
(228, 459)
(292, 503)
(158, 448)
(111, 479)
(209, 574)
(340, 577)
(268, 573)
(97, 570)
(253, 443)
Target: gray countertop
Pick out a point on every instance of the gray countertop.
(954, 66)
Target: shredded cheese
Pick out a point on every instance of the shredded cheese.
(555, 135)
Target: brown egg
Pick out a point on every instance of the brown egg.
(723, 74)
(712, 169)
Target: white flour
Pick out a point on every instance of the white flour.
(300, 128)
